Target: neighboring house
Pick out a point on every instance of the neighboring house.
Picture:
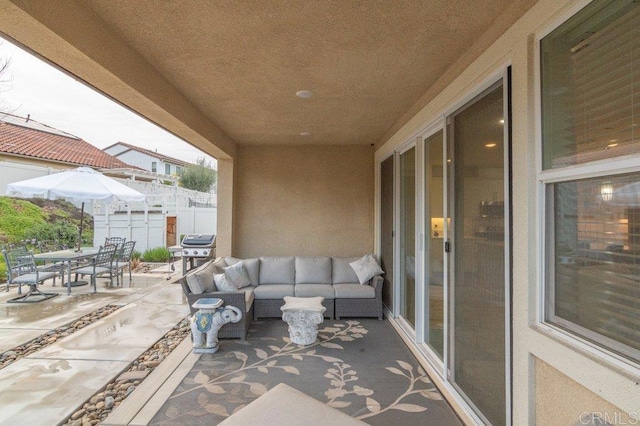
(34, 149)
(146, 159)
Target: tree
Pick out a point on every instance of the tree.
(5, 82)
(199, 177)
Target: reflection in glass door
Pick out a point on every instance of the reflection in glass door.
(434, 212)
(479, 241)
(408, 236)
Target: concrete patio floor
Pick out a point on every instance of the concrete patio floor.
(49, 385)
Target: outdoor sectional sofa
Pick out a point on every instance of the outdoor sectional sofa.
(270, 279)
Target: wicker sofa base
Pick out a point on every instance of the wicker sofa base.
(359, 308)
(230, 330)
(270, 308)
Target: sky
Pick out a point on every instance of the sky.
(32, 86)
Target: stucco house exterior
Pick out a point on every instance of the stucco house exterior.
(486, 151)
(146, 159)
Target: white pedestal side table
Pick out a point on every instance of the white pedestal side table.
(303, 314)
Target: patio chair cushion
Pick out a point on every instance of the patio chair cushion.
(366, 268)
(277, 270)
(342, 272)
(32, 277)
(354, 291)
(313, 290)
(313, 270)
(201, 280)
(273, 291)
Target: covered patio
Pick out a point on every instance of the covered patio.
(473, 146)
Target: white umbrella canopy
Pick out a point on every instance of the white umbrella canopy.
(80, 185)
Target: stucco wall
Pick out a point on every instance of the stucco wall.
(305, 201)
(561, 401)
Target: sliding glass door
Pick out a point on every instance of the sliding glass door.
(479, 242)
(407, 267)
(434, 247)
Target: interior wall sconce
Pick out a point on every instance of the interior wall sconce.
(606, 191)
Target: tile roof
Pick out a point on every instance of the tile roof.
(150, 153)
(28, 138)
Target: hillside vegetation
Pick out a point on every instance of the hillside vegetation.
(37, 220)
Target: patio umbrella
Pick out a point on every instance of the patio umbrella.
(80, 185)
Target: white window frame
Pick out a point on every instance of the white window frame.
(600, 169)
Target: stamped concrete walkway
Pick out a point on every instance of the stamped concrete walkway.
(46, 387)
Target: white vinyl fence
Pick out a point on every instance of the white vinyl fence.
(149, 228)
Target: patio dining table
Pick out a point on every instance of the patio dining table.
(68, 256)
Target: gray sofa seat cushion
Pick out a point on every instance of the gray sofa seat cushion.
(273, 291)
(313, 270)
(354, 291)
(313, 290)
(277, 270)
(342, 272)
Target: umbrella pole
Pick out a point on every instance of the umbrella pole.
(80, 231)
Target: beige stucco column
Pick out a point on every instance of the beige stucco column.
(224, 237)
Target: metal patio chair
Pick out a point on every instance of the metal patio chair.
(122, 260)
(22, 269)
(101, 263)
(116, 241)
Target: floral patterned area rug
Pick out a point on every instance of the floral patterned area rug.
(360, 367)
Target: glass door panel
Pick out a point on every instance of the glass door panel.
(408, 236)
(386, 231)
(478, 251)
(434, 274)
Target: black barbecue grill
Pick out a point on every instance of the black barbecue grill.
(197, 248)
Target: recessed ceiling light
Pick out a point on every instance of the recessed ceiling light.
(305, 134)
(304, 94)
(502, 121)
(611, 145)
(491, 145)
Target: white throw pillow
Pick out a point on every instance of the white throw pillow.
(366, 268)
(237, 276)
(222, 283)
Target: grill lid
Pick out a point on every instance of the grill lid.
(198, 240)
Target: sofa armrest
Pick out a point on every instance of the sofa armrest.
(232, 298)
(376, 282)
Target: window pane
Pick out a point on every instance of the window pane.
(594, 260)
(167, 169)
(591, 85)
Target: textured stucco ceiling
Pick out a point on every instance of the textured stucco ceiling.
(241, 62)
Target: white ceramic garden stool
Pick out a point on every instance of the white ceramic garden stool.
(303, 314)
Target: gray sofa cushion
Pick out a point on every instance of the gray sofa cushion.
(273, 291)
(342, 272)
(252, 266)
(200, 280)
(354, 291)
(277, 270)
(313, 270)
(313, 290)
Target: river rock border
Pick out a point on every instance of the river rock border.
(40, 342)
(100, 405)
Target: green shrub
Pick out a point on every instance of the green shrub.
(158, 254)
(60, 231)
(3, 272)
(136, 255)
